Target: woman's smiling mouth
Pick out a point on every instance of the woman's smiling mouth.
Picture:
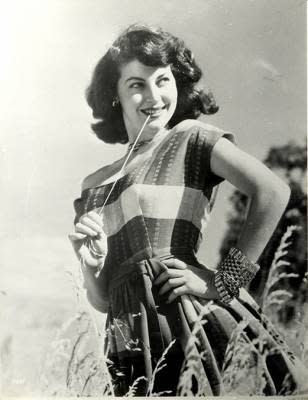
(153, 111)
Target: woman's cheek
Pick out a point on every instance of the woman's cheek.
(171, 97)
(137, 98)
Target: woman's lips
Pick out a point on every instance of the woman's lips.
(153, 111)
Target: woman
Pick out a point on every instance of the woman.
(150, 282)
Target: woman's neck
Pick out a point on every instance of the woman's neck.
(157, 137)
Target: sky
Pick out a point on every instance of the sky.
(252, 52)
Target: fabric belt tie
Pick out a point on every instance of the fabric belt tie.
(150, 266)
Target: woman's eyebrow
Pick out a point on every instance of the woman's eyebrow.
(161, 75)
(134, 78)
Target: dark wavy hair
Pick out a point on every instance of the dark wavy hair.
(152, 47)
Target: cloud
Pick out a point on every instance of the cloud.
(270, 71)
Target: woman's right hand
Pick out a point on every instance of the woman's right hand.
(89, 240)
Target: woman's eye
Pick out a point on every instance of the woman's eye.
(163, 81)
(136, 85)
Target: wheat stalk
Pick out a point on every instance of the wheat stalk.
(132, 389)
(245, 364)
(191, 364)
(278, 297)
(159, 366)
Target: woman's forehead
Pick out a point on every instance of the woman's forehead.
(135, 68)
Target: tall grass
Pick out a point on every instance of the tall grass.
(243, 355)
(192, 369)
(244, 367)
(274, 297)
(75, 363)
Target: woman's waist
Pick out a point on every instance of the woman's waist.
(150, 265)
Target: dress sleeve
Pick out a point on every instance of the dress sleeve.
(201, 141)
(82, 204)
(77, 208)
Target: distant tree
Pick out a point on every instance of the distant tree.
(290, 163)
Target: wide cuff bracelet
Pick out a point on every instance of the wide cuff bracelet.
(239, 267)
(231, 285)
(221, 289)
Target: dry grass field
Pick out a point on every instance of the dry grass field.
(51, 341)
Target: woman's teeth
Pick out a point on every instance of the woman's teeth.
(152, 111)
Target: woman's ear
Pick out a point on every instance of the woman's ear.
(115, 102)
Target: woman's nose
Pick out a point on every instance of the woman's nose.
(152, 94)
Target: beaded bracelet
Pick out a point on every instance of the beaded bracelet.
(235, 271)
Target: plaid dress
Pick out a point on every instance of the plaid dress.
(158, 210)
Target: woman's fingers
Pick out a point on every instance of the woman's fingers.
(170, 273)
(95, 217)
(73, 237)
(179, 291)
(87, 257)
(90, 224)
(170, 284)
(87, 221)
(86, 230)
(175, 263)
(76, 240)
(180, 278)
(89, 227)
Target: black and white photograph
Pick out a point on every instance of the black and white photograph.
(153, 198)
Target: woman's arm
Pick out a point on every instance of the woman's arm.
(268, 197)
(267, 193)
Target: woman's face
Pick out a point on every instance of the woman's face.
(144, 91)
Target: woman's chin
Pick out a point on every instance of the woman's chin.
(155, 125)
(152, 131)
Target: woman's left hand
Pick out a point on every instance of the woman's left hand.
(180, 278)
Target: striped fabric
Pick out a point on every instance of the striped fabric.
(158, 210)
(163, 204)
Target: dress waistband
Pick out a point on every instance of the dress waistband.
(150, 266)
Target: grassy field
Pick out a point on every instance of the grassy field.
(36, 297)
(48, 342)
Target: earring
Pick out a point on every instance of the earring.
(115, 102)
